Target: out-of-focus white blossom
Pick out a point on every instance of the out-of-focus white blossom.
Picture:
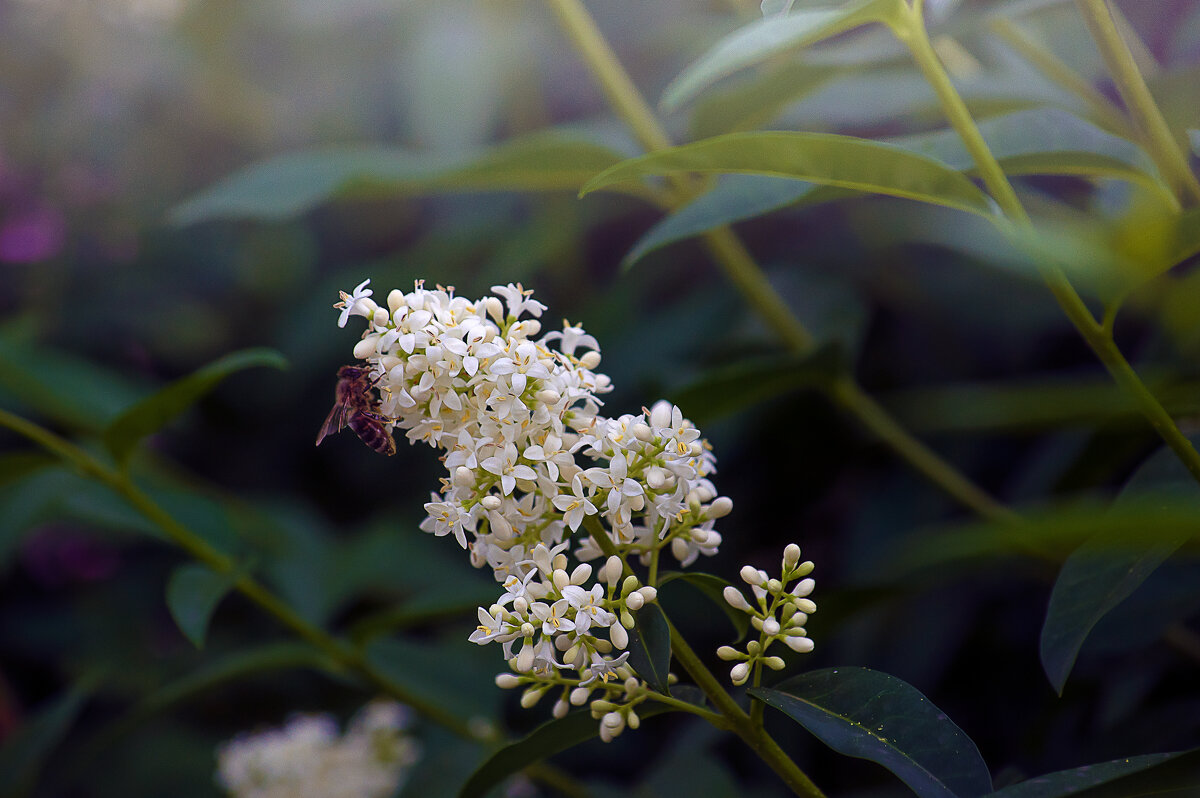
(308, 758)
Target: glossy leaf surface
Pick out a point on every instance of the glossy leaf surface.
(871, 715)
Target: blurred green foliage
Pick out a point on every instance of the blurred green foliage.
(181, 180)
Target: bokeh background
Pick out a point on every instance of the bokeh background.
(113, 112)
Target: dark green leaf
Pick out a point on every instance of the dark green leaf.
(650, 647)
(1108, 568)
(439, 673)
(160, 408)
(764, 38)
(25, 752)
(292, 184)
(193, 593)
(713, 588)
(871, 715)
(50, 382)
(549, 739)
(1151, 774)
(824, 158)
(734, 198)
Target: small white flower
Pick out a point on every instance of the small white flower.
(350, 302)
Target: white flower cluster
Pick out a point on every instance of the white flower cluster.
(530, 460)
(307, 758)
(772, 598)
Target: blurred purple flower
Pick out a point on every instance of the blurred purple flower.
(55, 556)
(32, 236)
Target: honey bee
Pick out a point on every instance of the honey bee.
(357, 409)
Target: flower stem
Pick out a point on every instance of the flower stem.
(1058, 71)
(741, 269)
(1156, 134)
(338, 650)
(910, 29)
(735, 718)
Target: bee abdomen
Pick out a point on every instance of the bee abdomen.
(373, 433)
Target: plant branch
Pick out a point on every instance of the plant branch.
(1156, 134)
(910, 29)
(741, 269)
(338, 650)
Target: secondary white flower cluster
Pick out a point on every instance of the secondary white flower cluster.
(308, 758)
(772, 598)
(531, 460)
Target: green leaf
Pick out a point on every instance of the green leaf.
(551, 738)
(1103, 572)
(292, 184)
(764, 38)
(437, 672)
(871, 715)
(1151, 774)
(713, 588)
(650, 647)
(731, 389)
(1046, 141)
(753, 103)
(160, 408)
(193, 593)
(824, 158)
(26, 751)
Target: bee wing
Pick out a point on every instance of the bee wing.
(337, 419)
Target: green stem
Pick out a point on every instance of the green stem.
(910, 29)
(740, 267)
(847, 393)
(683, 706)
(1156, 134)
(1058, 71)
(338, 650)
(735, 718)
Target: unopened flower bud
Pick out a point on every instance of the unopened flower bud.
(643, 432)
(791, 556)
(627, 619)
(547, 396)
(581, 574)
(380, 317)
(507, 681)
(490, 502)
(561, 708)
(800, 645)
(464, 477)
(728, 653)
(656, 477)
(806, 605)
(630, 584)
(521, 607)
(395, 299)
(660, 414)
(635, 601)
(774, 663)
(525, 656)
(648, 593)
(734, 598)
(494, 309)
(804, 587)
(618, 636)
(590, 360)
(752, 576)
(770, 627)
(366, 347)
(560, 562)
(632, 719)
(531, 696)
(561, 579)
(774, 587)
(579, 696)
(720, 507)
(612, 570)
(739, 673)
